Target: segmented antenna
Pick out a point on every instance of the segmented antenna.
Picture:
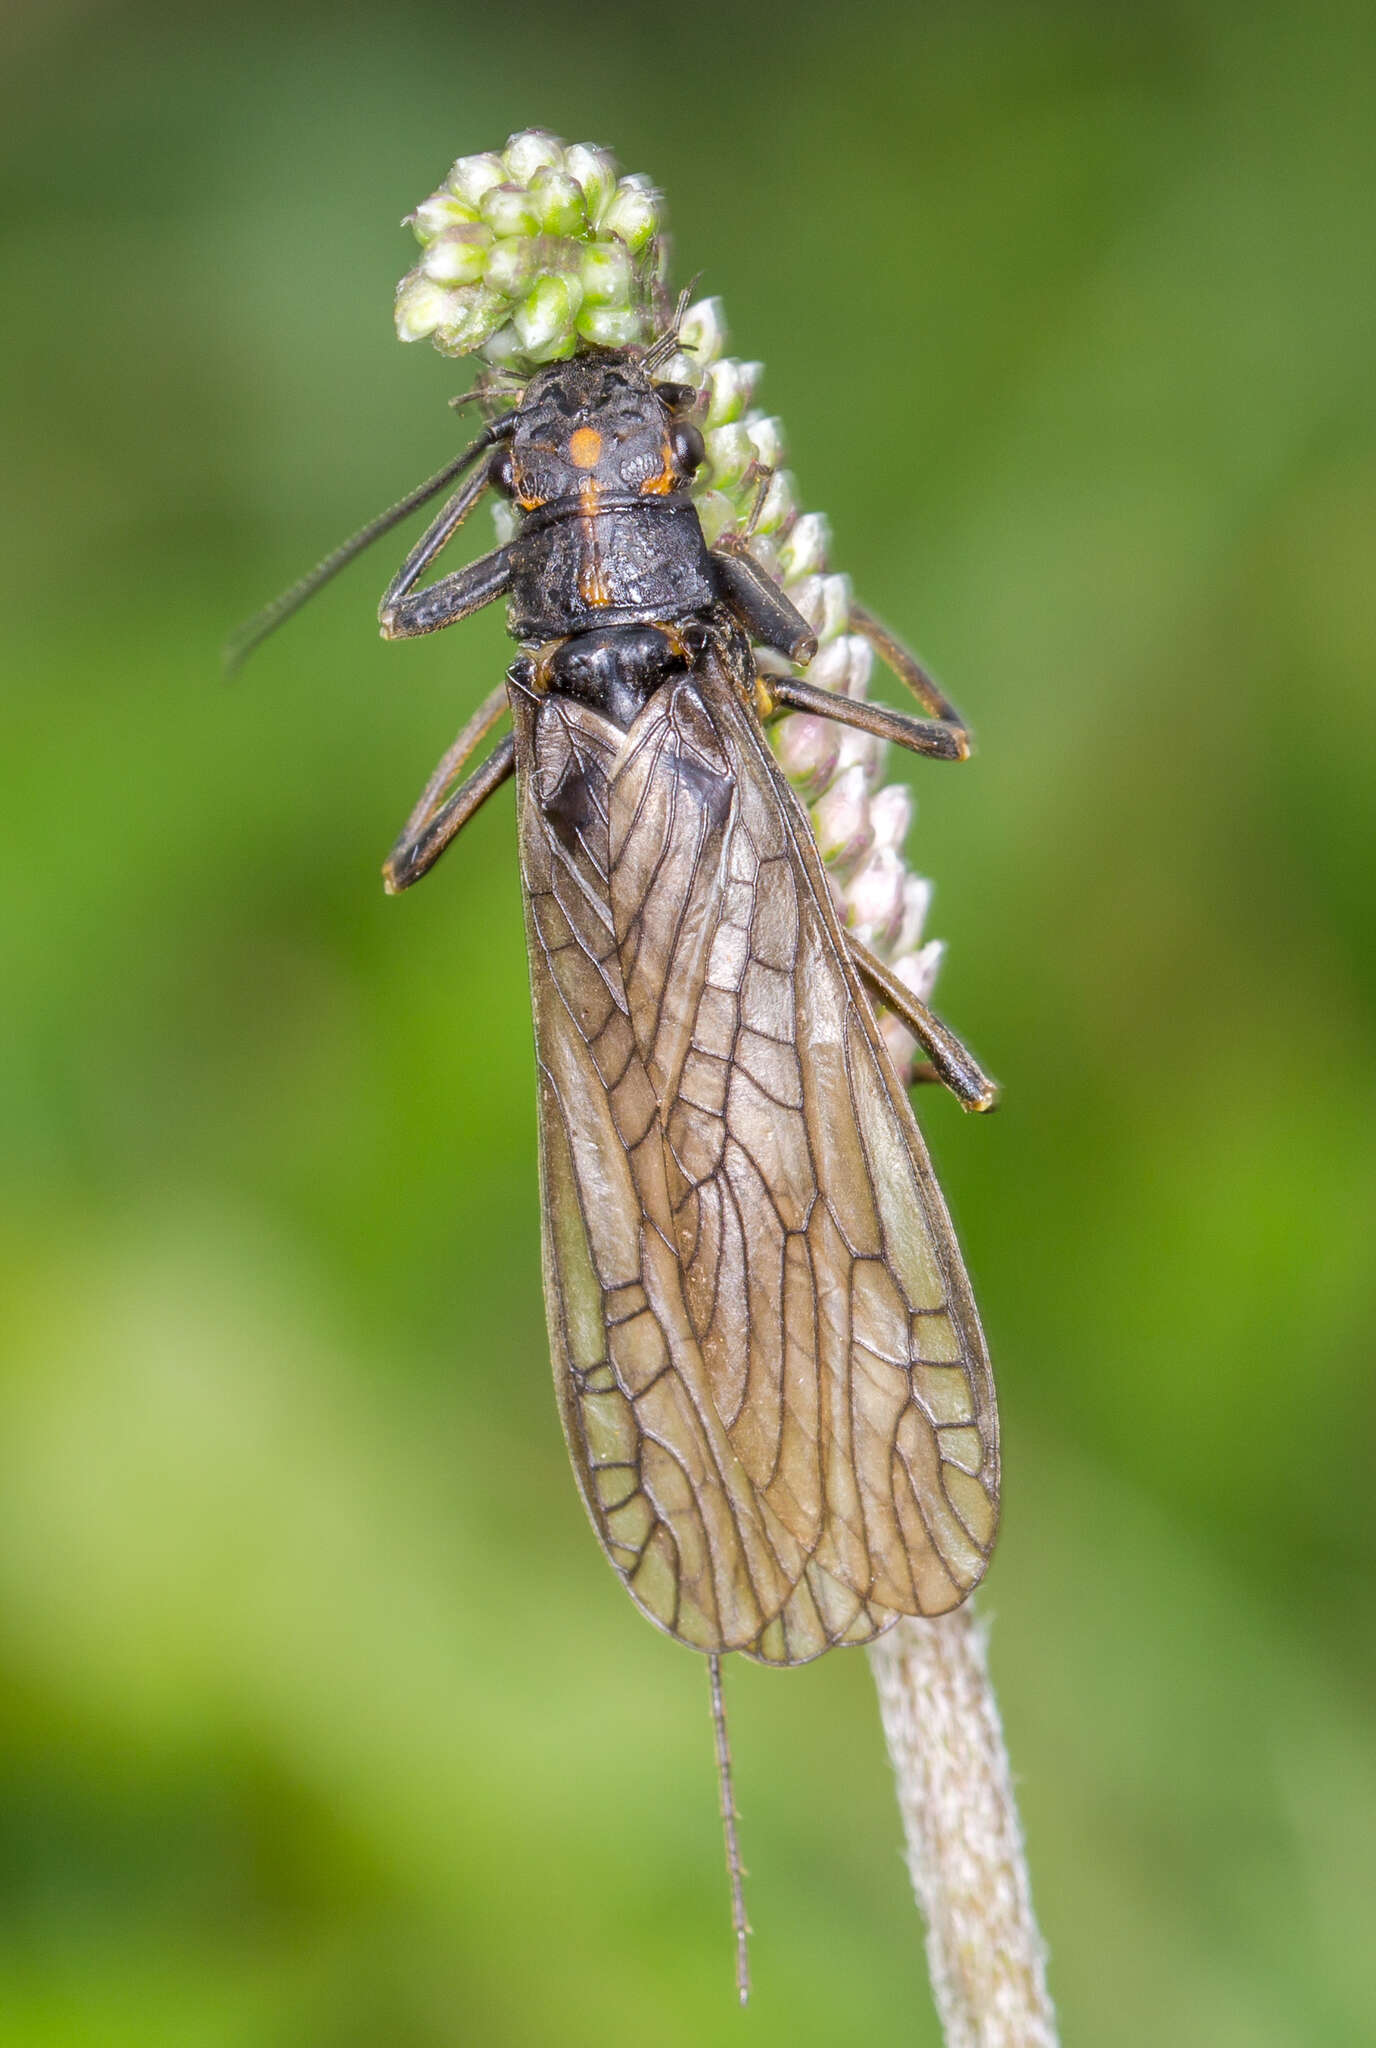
(734, 1868)
(255, 630)
(666, 344)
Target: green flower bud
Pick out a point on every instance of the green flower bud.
(503, 349)
(595, 170)
(440, 211)
(558, 202)
(730, 387)
(532, 150)
(509, 210)
(632, 213)
(511, 266)
(681, 369)
(716, 514)
(606, 274)
(730, 451)
(544, 320)
(703, 332)
(611, 326)
(475, 312)
(459, 255)
(472, 176)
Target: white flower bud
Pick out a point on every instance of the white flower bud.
(764, 551)
(474, 313)
(472, 176)
(767, 434)
(807, 748)
(632, 213)
(458, 255)
(681, 369)
(830, 665)
(611, 326)
(874, 898)
(864, 751)
(859, 665)
(703, 332)
(824, 602)
(917, 901)
(440, 211)
(891, 814)
(532, 150)
(918, 971)
(730, 386)
(606, 274)
(503, 349)
(509, 210)
(595, 170)
(778, 506)
(841, 819)
(511, 266)
(803, 551)
(421, 307)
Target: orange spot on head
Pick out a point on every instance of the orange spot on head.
(585, 446)
(666, 481)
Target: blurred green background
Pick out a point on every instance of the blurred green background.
(323, 1721)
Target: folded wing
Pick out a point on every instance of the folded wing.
(771, 1372)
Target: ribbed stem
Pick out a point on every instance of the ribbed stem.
(965, 1850)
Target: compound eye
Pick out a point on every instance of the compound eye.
(686, 442)
(678, 397)
(502, 471)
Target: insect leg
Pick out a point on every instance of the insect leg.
(446, 602)
(405, 611)
(437, 819)
(953, 1065)
(909, 670)
(761, 606)
(933, 737)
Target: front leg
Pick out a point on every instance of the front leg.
(760, 605)
(437, 819)
(406, 611)
(446, 602)
(952, 1065)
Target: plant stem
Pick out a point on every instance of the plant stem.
(965, 1850)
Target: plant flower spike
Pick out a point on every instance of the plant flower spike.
(770, 1369)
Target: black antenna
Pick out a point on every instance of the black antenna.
(255, 630)
(735, 1869)
(660, 350)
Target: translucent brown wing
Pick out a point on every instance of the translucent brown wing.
(770, 1369)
